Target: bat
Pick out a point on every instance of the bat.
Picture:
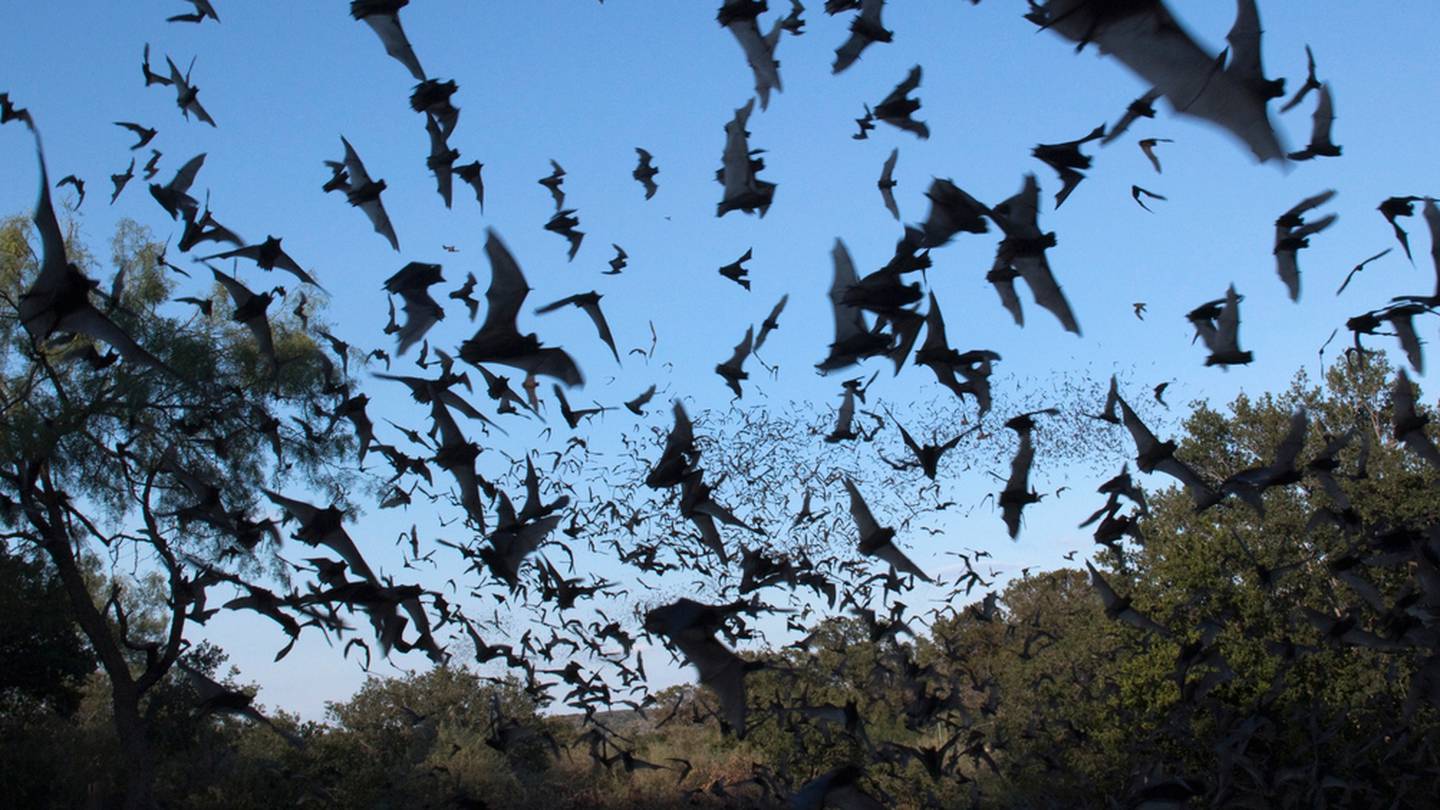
(771, 322)
(590, 303)
(1148, 40)
(743, 190)
(1321, 122)
(144, 134)
(1023, 253)
(952, 211)
(121, 179)
(865, 29)
(1067, 159)
(1147, 145)
(564, 223)
(736, 273)
(1292, 233)
(498, 339)
(887, 184)
(412, 284)
(645, 172)
(250, 312)
(441, 160)
(898, 108)
(267, 255)
(876, 541)
(740, 17)
(1136, 192)
(174, 196)
(187, 95)
(732, 370)
(1143, 107)
(364, 193)
(854, 339)
(552, 182)
(1357, 268)
(470, 173)
(1311, 82)
(203, 10)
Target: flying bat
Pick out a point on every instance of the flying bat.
(187, 95)
(771, 322)
(79, 185)
(743, 190)
(498, 339)
(145, 134)
(1147, 145)
(174, 196)
(618, 263)
(645, 172)
(364, 193)
(876, 541)
(733, 370)
(1017, 493)
(1292, 233)
(441, 160)
(1321, 122)
(1067, 160)
(203, 10)
(412, 284)
(887, 184)
(267, 255)
(1392, 208)
(1022, 252)
(121, 179)
(250, 312)
(590, 303)
(1148, 39)
(1357, 268)
(553, 182)
(1143, 107)
(1312, 82)
(897, 108)
(865, 29)
(741, 18)
(736, 273)
(1136, 192)
(470, 174)
(564, 223)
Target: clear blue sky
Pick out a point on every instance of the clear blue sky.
(585, 84)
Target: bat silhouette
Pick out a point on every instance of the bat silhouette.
(876, 541)
(771, 322)
(732, 370)
(79, 185)
(187, 95)
(145, 134)
(441, 160)
(564, 223)
(865, 29)
(121, 179)
(1292, 233)
(1311, 82)
(1392, 209)
(1147, 145)
(740, 17)
(249, 311)
(952, 211)
(151, 166)
(736, 273)
(267, 255)
(946, 362)
(590, 303)
(1136, 192)
(897, 108)
(499, 340)
(1067, 159)
(1321, 122)
(743, 190)
(1022, 253)
(1409, 424)
(1118, 607)
(432, 97)
(1147, 38)
(618, 263)
(174, 196)
(412, 283)
(1357, 268)
(470, 174)
(553, 182)
(854, 340)
(1143, 107)
(887, 184)
(364, 193)
(1017, 493)
(203, 9)
(645, 172)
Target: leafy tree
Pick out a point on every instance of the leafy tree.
(123, 460)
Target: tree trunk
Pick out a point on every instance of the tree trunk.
(136, 753)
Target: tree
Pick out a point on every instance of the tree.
(120, 458)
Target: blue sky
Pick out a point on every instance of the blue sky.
(584, 84)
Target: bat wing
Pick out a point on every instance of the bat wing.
(1036, 272)
(761, 56)
(392, 36)
(507, 290)
(592, 308)
(860, 511)
(1148, 39)
(891, 554)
